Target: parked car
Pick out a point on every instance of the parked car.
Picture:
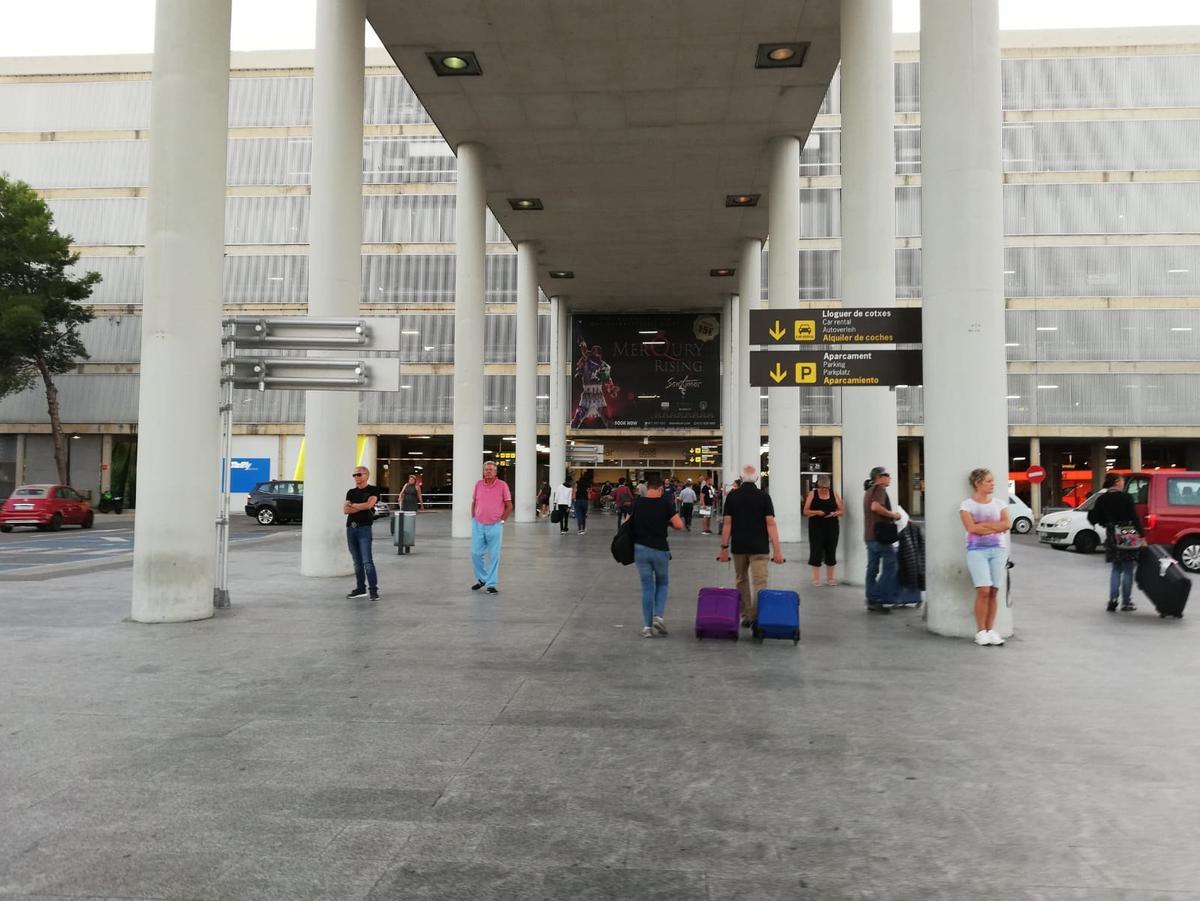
(1062, 529)
(281, 501)
(1019, 515)
(46, 507)
(1168, 502)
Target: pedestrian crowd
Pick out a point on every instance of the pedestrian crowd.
(749, 536)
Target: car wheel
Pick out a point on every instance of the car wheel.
(5, 528)
(87, 521)
(1187, 552)
(1023, 525)
(1086, 541)
(55, 522)
(265, 516)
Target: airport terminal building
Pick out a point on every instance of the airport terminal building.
(1101, 264)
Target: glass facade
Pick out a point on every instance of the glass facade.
(1101, 210)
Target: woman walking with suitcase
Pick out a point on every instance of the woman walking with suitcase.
(986, 522)
(651, 553)
(1124, 537)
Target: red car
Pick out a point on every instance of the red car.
(45, 507)
(1168, 501)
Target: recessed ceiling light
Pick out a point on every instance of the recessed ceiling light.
(455, 62)
(721, 273)
(521, 204)
(561, 273)
(781, 56)
(742, 199)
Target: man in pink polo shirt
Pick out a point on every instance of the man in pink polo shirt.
(490, 505)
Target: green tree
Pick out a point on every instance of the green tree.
(41, 305)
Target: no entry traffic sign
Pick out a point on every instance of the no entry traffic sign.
(1036, 474)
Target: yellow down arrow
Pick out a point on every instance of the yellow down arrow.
(778, 331)
(778, 373)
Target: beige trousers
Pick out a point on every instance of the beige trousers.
(751, 572)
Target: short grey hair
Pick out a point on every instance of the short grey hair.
(823, 481)
(749, 473)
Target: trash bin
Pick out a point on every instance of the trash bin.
(404, 530)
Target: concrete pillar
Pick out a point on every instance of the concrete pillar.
(1097, 459)
(1035, 491)
(19, 464)
(783, 293)
(106, 446)
(835, 465)
(966, 414)
(1135, 454)
(469, 385)
(174, 555)
(868, 259)
(915, 475)
(525, 496)
(560, 398)
(729, 389)
(334, 277)
(749, 397)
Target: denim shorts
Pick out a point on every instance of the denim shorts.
(986, 565)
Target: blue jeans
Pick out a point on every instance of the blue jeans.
(581, 511)
(881, 573)
(1121, 580)
(652, 566)
(359, 541)
(486, 540)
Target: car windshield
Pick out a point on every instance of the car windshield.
(30, 491)
(1090, 502)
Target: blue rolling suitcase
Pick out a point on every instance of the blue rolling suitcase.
(778, 615)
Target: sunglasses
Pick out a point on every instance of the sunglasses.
(359, 475)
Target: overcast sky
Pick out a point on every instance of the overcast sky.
(68, 27)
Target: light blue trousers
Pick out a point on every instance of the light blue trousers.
(486, 540)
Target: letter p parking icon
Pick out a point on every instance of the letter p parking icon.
(806, 373)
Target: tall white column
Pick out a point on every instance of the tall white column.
(868, 249)
(729, 389)
(1035, 459)
(749, 396)
(783, 292)
(174, 554)
(525, 501)
(560, 399)
(966, 414)
(469, 386)
(334, 277)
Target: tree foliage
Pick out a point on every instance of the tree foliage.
(40, 300)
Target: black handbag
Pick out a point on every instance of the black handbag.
(622, 543)
(886, 531)
(556, 515)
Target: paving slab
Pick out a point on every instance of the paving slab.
(444, 743)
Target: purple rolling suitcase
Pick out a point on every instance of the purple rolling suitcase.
(718, 613)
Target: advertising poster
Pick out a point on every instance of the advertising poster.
(633, 371)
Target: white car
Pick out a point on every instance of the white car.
(1019, 515)
(1062, 529)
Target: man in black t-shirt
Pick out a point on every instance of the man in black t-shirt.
(748, 529)
(360, 516)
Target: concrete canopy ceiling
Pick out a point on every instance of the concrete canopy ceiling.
(631, 120)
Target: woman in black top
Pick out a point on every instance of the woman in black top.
(823, 508)
(582, 487)
(651, 554)
(410, 496)
(1116, 512)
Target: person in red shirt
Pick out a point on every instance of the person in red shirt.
(491, 503)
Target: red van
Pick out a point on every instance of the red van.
(1168, 502)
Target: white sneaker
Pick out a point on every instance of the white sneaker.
(647, 632)
(983, 638)
(995, 637)
(659, 626)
